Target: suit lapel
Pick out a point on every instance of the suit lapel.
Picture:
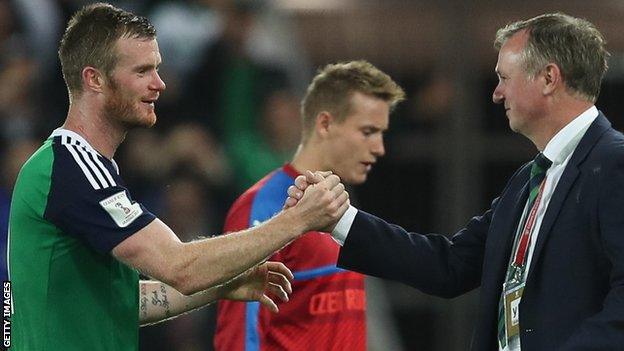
(501, 245)
(571, 172)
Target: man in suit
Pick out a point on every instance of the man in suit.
(549, 253)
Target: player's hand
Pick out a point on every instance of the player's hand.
(322, 203)
(295, 192)
(261, 283)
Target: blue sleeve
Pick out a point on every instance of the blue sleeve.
(270, 198)
(88, 200)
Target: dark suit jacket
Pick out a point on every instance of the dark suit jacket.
(574, 295)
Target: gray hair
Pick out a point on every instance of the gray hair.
(573, 44)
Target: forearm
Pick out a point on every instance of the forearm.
(159, 301)
(233, 254)
(192, 267)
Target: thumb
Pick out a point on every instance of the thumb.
(313, 178)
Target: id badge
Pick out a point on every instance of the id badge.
(512, 310)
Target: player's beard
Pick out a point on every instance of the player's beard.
(123, 110)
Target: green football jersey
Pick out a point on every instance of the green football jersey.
(69, 209)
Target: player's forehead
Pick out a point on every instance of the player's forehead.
(137, 51)
(368, 111)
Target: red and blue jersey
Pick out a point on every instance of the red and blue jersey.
(327, 309)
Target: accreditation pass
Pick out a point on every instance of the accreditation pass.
(512, 311)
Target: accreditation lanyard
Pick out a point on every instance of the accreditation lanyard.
(525, 238)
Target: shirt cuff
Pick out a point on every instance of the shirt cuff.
(344, 225)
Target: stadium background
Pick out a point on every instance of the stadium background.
(235, 71)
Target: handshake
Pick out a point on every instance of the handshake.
(316, 202)
(318, 199)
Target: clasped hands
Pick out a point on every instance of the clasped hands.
(321, 197)
(318, 200)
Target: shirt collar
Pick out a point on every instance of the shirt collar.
(66, 132)
(565, 141)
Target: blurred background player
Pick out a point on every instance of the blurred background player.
(344, 113)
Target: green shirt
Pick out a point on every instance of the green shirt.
(69, 210)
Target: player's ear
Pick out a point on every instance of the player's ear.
(324, 120)
(92, 79)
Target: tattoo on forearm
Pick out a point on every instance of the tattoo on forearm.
(160, 299)
(156, 301)
(143, 301)
(163, 290)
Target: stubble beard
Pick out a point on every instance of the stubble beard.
(122, 111)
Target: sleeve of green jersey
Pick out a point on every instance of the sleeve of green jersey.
(89, 200)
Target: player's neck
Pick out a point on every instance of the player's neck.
(94, 128)
(309, 157)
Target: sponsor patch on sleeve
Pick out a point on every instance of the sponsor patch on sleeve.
(121, 209)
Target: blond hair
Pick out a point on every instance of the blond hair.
(332, 88)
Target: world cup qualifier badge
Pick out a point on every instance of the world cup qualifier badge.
(121, 209)
(7, 310)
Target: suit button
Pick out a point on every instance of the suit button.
(528, 330)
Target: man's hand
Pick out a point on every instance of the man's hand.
(319, 199)
(254, 285)
(295, 192)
